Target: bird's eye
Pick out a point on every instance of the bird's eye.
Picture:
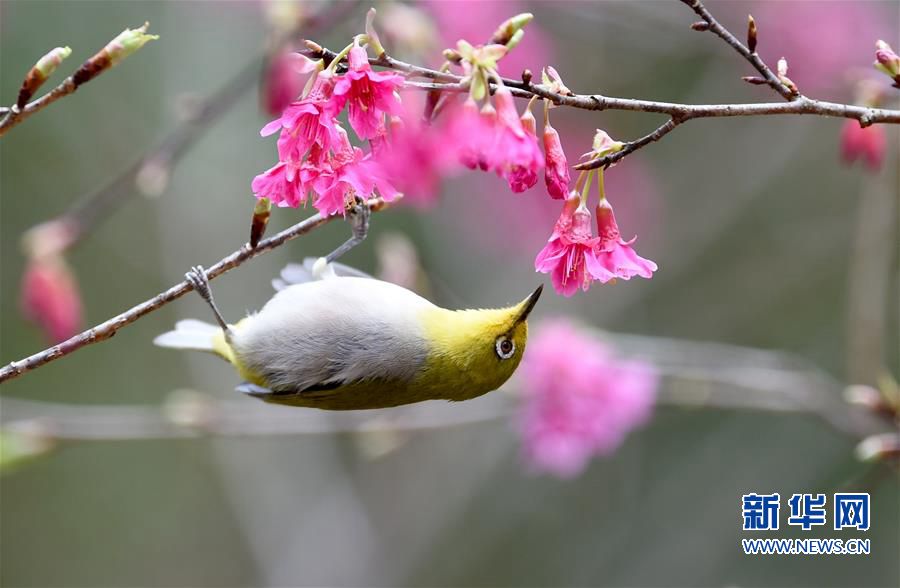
(505, 347)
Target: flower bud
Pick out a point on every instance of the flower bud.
(128, 41)
(782, 76)
(603, 145)
(878, 447)
(50, 297)
(262, 210)
(868, 144)
(887, 61)
(38, 74)
(556, 172)
(751, 33)
(507, 30)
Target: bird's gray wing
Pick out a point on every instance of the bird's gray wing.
(300, 273)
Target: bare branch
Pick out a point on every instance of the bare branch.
(107, 329)
(747, 53)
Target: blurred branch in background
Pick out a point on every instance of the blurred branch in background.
(694, 376)
(109, 328)
(873, 273)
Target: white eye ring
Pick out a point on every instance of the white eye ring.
(505, 347)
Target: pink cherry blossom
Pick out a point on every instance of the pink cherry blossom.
(556, 172)
(514, 155)
(349, 172)
(614, 254)
(867, 144)
(51, 298)
(579, 399)
(570, 256)
(307, 122)
(368, 93)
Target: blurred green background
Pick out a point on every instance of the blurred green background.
(753, 222)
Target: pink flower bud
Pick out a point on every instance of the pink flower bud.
(868, 144)
(50, 297)
(887, 61)
(556, 174)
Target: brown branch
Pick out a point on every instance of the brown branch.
(679, 113)
(720, 31)
(107, 329)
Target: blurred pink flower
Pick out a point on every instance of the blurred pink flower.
(370, 94)
(614, 253)
(283, 80)
(570, 255)
(471, 132)
(462, 19)
(307, 122)
(579, 400)
(51, 298)
(556, 173)
(868, 144)
(415, 156)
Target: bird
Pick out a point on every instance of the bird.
(333, 338)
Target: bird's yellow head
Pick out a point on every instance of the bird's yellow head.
(478, 348)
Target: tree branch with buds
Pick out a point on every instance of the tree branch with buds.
(110, 327)
(129, 41)
(797, 103)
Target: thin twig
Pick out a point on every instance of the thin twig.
(15, 116)
(109, 328)
(764, 70)
(679, 113)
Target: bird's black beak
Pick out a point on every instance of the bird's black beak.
(527, 305)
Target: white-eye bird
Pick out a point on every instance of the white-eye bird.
(344, 342)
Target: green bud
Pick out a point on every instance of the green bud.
(516, 39)
(128, 41)
(508, 29)
(47, 64)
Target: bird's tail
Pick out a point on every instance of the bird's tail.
(193, 334)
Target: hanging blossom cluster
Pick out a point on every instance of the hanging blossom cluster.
(571, 410)
(409, 154)
(574, 256)
(315, 156)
